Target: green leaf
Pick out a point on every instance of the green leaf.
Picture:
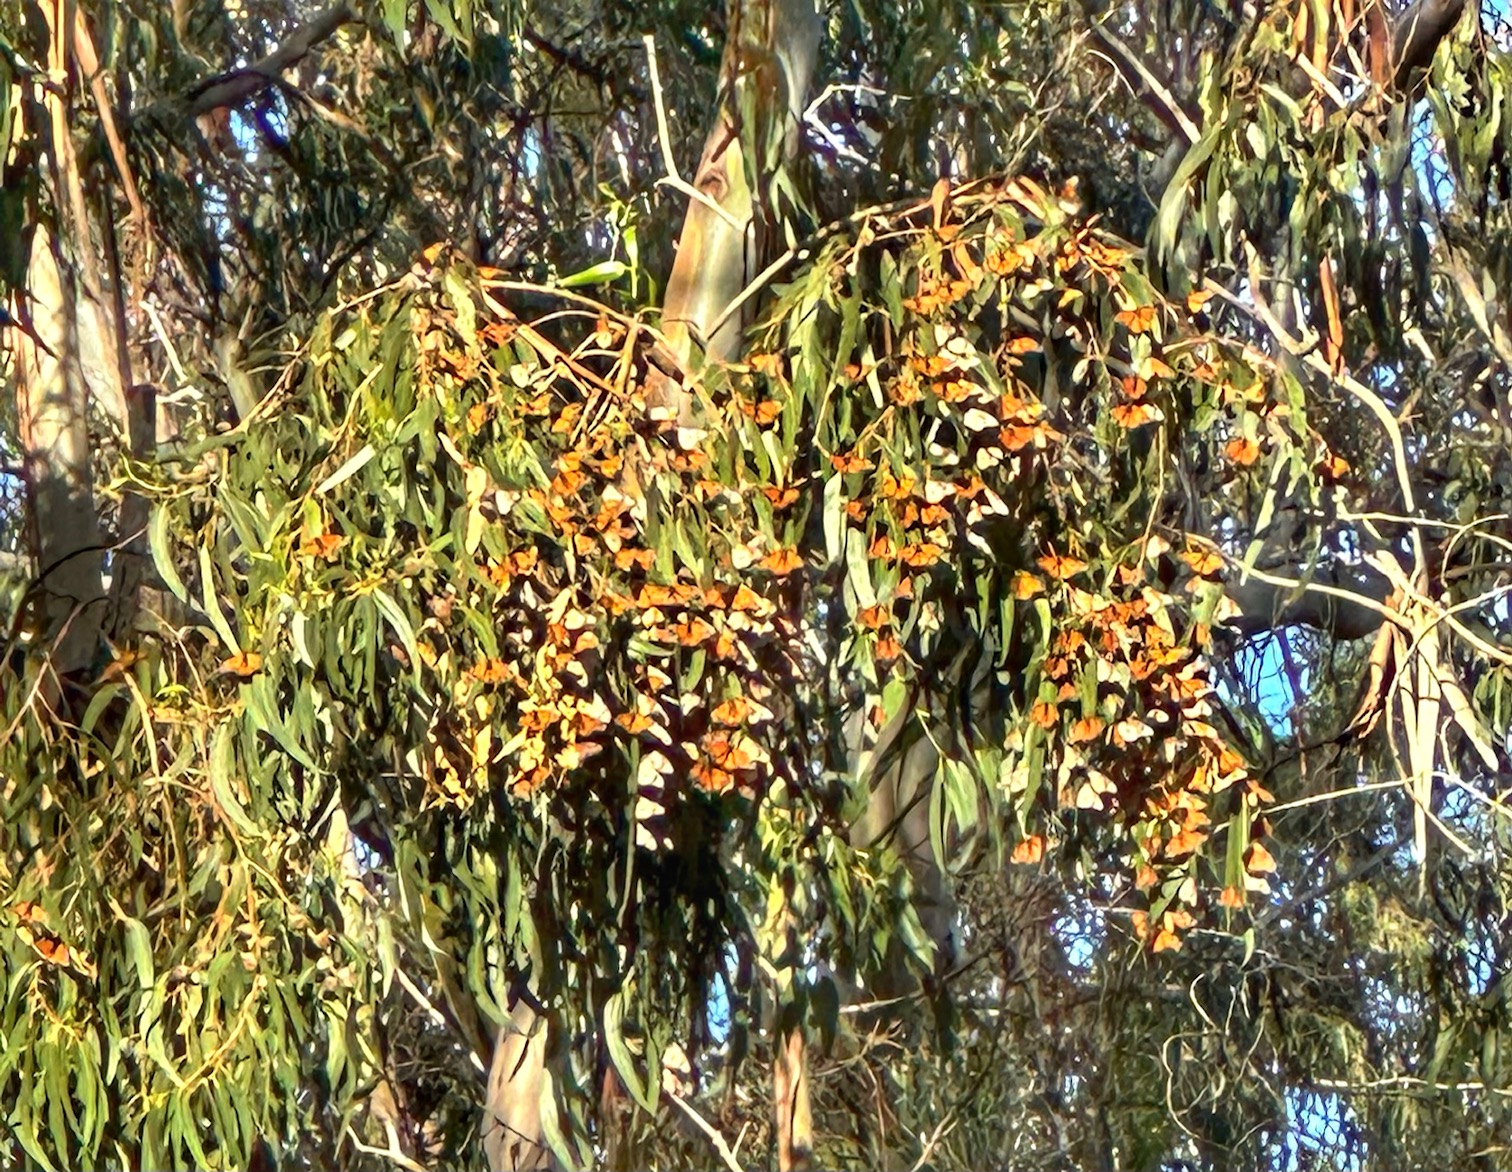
(139, 950)
(26, 1135)
(388, 953)
(55, 1069)
(222, 767)
(299, 633)
(684, 543)
(395, 17)
(551, 1127)
(189, 1130)
(263, 712)
(619, 1050)
(348, 469)
(212, 605)
(961, 802)
(456, 288)
(1173, 202)
(600, 274)
(162, 558)
(336, 1047)
(440, 11)
(834, 517)
(915, 939)
(858, 570)
(97, 706)
(402, 629)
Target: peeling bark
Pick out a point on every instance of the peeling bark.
(98, 341)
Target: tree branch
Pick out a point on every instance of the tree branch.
(726, 1155)
(568, 59)
(238, 85)
(1143, 80)
(1347, 602)
(1418, 33)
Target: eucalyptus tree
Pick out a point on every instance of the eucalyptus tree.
(423, 666)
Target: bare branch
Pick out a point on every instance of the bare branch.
(672, 179)
(1347, 602)
(1143, 80)
(703, 1125)
(89, 64)
(238, 85)
(1418, 34)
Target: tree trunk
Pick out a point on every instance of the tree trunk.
(52, 408)
(768, 66)
(899, 770)
(74, 356)
(790, 1100)
(97, 340)
(513, 1138)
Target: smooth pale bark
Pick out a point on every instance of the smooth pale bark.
(513, 1136)
(768, 66)
(790, 1094)
(52, 407)
(75, 356)
(97, 339)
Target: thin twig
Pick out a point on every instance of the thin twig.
(672, 178)
(946, 1126)
(389, 1153)
(1302, 349)
(1314, 799)
(1407, 1081)
(703, 1125)
(812, 120)
(1354, 596)
(158, 328)
(757, 283)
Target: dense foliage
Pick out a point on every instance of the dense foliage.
(1150, 490)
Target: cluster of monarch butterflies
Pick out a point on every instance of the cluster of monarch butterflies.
(627, 600)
